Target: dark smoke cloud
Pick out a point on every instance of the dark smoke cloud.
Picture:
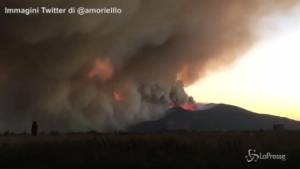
(45, 61)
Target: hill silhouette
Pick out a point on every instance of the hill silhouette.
(220, 117)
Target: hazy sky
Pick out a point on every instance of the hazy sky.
(267, 78)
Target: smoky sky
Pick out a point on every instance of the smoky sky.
(105, 72)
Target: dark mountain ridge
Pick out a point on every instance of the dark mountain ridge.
(220, 117)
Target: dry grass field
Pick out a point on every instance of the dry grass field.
(149, 150)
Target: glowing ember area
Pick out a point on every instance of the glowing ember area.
(118, 97)
(188, 106)
(185, 106)
(102, 69)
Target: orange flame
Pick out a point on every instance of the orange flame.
(185, 106)
(188, 106)
(102, 69)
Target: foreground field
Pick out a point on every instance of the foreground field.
(151, 150)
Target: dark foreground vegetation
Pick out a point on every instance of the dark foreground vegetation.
(211, 150)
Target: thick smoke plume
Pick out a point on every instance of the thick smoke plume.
(105, 72)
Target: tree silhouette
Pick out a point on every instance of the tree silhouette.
(34, 128)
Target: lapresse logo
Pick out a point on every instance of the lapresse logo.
(254, 156)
